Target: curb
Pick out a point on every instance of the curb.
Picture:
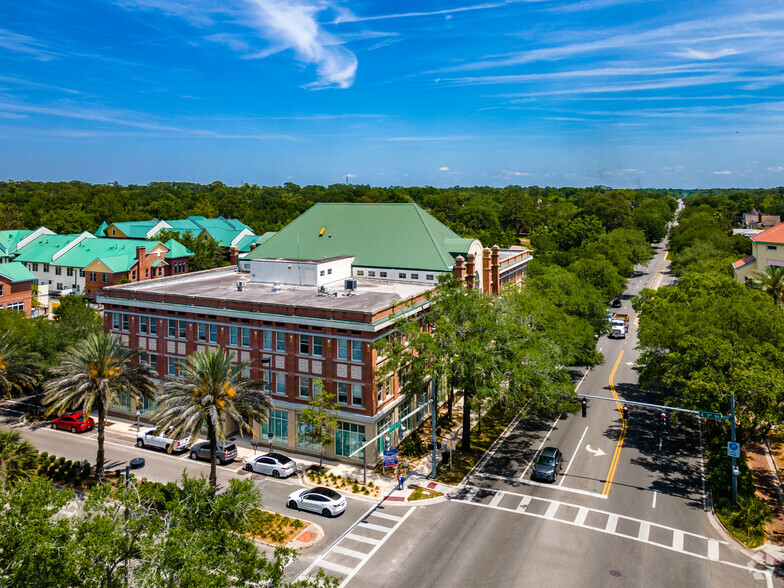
(758, 554)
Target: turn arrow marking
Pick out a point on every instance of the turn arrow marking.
(596, 452)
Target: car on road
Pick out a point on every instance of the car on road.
(320, 500)
(76, 422)
(150, 438)
(276, 465)
(548, 464)
(616, 303)
(224, 452)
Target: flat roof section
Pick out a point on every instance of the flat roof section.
(371, 296)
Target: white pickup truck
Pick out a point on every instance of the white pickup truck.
(619, 326)
(148, 438)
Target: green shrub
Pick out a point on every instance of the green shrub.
(412, 446)
(61, 460)
(43, 455)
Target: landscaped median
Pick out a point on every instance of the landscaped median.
(318, 476)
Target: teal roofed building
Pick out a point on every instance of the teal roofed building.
(16, 287)
(228, 232)
(11, 241)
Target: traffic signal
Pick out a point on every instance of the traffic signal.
(663, 419)
(625, 412)
(585, 407)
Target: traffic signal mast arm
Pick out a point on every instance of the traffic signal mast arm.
(699, 413)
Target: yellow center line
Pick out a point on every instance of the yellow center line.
(617, 454)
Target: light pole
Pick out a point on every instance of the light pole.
(734, 459)
(364, 465)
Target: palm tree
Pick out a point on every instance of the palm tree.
(18, 458)
(211, 393)
(17, 371)
(93, 373)
(771, 281)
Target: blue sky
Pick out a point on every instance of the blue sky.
(624, 93)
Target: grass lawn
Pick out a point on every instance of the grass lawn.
(424, 493)
(493, 424)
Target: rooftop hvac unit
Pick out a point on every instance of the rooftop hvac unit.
(351, 284)
(276, 287)
(240, 285)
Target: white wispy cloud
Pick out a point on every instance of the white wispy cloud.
(704, 55)
(443, 168)
(515, 173)
(585, 5)
(24, 44)
(434, 138)
(722, 173)
(345, 15)
(293, 25)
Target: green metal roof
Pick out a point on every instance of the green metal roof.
(133, 229)
(177, 249)
(41, 249)
(245, 243)
(16, 272)
(377, 235)
(118, 255)
(9, 239)
(223, 230)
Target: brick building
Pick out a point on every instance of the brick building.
(308, 304)
(16, 284)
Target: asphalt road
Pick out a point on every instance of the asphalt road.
(162, 467)
(627, 510)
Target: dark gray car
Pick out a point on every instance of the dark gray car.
(225, 453)
(548, 464)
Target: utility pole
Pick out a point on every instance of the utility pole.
(734, 459)
(434, 415)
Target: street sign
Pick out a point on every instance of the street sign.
(733, 449)
(390, 458)
(711, 415)
(395, 426)
(451, 444)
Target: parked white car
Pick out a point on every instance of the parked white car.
(322, 500)
(148, 438)
(276, 465)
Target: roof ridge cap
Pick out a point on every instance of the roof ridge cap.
(419, 212)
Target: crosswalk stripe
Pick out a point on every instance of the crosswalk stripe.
(645, 531)
(349, 552)
(677, 540)
(471, 494)
(363, 539)
(365, 525)
(612, 522)
(713, 550)
(345, 570)
(496, 499)
(582, 514)
(524, 503)
(383, 515)
(551, 510)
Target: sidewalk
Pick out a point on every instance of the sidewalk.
(769, 490)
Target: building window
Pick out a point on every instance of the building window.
(317, 346)
(125, 402)
(147, 272)
(213, 333)
(133, 275)
(46, 268)
(142, 324)
(143, 358)
(183, 334)
(266, 340)
(371, 274)
(172, 328)
(343, 349)
(59, 286)
(280, 383)
(153, 326)
(302, 429)
(414, 276)
(233, 335)
(69, 271)
(356, 394)
(329, 271)
(304, 387)
(149, 406)
(125, 322)
(172, 366)
(279, 425)
(105, 278)
(58, 270)
(81, 273)
(16, 306)
(246, 337)
(429, 277)
(153, 362)
(402, 276)
(356, 351)
(771, 248)
(304, 344)
(360, 272)
(348, 438)
(202, 332)
(380, 392)
(382, 274)
(116, 321)
(91, 277)
(34, 267)
(321, 273)
(342, 393)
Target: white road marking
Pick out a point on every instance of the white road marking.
(713, 550)
(496, 444)
(543, 485)
(349, 552)
(496, 499)
(383, 515)
(372, 527)
(584, 376)
(471, 494)
(571, 461)
(596, 452)
(654, 499)
(345, 570)
(645, 531)
(362, 538)
(546, 437)
(677, 540)
(551, 510)
(643, 536)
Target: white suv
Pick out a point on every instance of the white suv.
(148, 438)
